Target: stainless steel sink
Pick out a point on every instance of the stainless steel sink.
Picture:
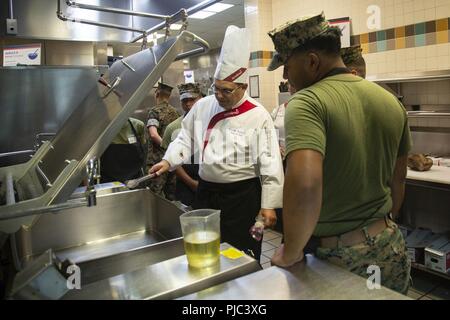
(126, 231)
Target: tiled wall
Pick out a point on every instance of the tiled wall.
(258, 18)
(434, 95)
(413, 35)
(410, 36)
(260, 59)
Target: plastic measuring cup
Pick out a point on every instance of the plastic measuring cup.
(201, 235)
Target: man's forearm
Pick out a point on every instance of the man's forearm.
(183, 176)
(302, 200)
(154, 135)
(300, 216)
(156, 139)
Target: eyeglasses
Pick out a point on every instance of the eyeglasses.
(226, 92)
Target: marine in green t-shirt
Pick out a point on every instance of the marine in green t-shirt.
(186, 175)
(360, 130)
(347, 142)
(171, 132)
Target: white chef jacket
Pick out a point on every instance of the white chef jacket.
(239, 147)
(278, 121)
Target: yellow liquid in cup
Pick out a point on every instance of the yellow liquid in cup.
(202, 248)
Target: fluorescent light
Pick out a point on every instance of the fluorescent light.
(175, 26)
(202, 14)
(211, 10)
(219, 7)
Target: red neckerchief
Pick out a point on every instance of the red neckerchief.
(243, 108)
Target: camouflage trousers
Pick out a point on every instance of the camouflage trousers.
(164, 185)
(387, 250)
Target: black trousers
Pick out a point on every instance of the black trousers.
(239, 203)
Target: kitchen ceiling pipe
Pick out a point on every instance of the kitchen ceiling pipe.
(115, 10)
(177, 17)
(181, 14)
(63, 17)
(11, 11)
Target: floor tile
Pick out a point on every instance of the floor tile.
(424, 282)
(269, 253)
(277, 233)
(267, 246)
(276, 242)
(264, 259)
(440, 293)
(266, 265)
(269, 235)
(414, 294)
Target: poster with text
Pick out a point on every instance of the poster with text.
(344, 25)
(29, 54)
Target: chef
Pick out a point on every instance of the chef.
(240, 170)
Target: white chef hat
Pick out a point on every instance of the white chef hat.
(234, 56)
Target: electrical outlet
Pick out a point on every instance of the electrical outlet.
(11, 26)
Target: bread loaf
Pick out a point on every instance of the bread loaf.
(419, 162)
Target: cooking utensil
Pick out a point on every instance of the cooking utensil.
(131, 184)
(33, 55)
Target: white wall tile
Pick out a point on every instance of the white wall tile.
(273, 13)
(430, 14)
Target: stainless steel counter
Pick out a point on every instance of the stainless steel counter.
(314, 279)
(169, 279)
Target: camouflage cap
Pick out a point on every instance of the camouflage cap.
(277, 61)
(293, 34)
(189, 90)
(165, 87)
(351, 54)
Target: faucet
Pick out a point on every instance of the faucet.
(92, 176)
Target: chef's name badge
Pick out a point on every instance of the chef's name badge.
(238, 132)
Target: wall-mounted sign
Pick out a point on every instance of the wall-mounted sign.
(29, 54)
(189, 76)
(254, 86)
(344, 25)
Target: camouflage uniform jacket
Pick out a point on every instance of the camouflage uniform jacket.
(160, 116)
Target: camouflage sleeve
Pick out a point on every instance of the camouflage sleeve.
(142, 132)
(153, 119)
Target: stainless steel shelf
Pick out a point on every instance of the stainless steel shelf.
(424, 76)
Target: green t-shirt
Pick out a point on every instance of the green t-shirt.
(361, 130)
(171, 132)
(126, 134)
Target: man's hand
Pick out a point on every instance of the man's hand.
(160, 168)
(282, 259)
(270, 217)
